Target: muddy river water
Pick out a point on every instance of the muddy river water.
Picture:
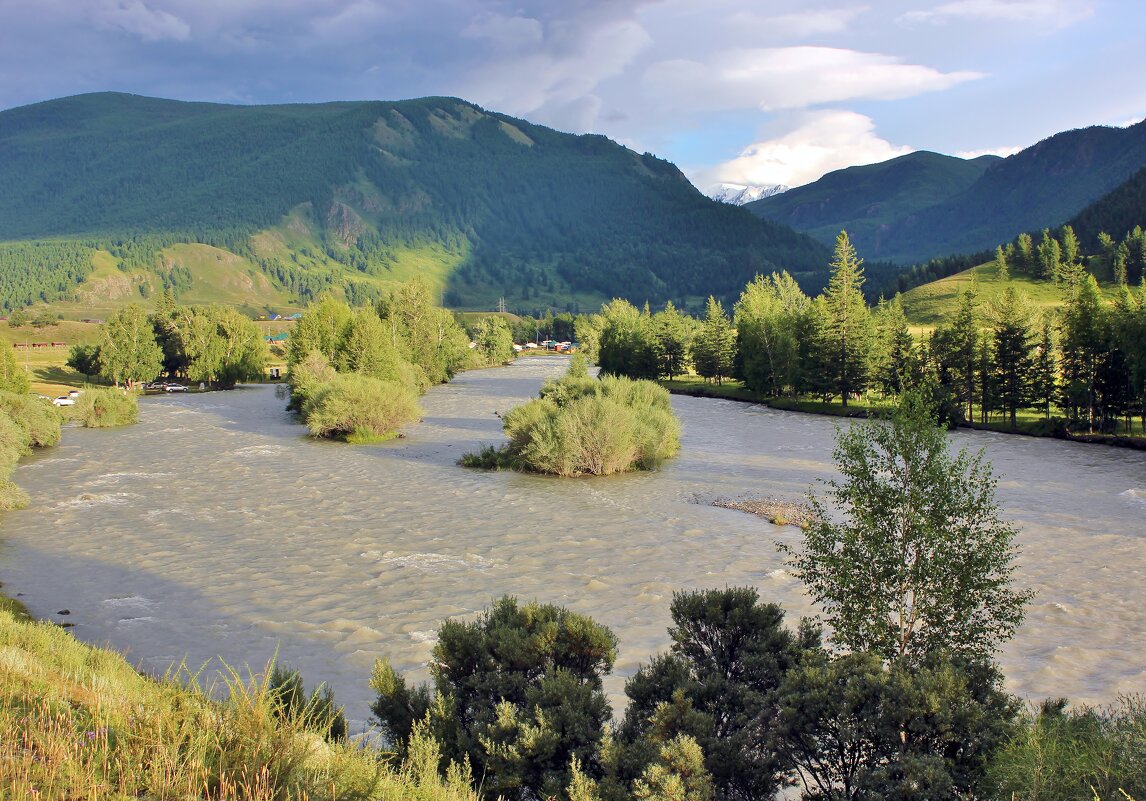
(215, 529)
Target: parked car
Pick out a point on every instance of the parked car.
(173, 387)
(64, 400)
(74, 393)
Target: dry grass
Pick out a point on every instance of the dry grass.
(79, 723)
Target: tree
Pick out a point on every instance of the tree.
(627, 344)
(13, 377)
(1049, 257)
(1025, 254)
(714, 349)
(770, 318)
(843, 337)
(494, 340)
(856, 728)
(674, 337)
(917, 560)
(1046, 368)
(84, 359)
(1002, 270)
(366, 348)
(896, 366)
(518, 693)
(221, 346)
(955, 347)
(1084, 340)
(1014, 363)
(321, 328)
(127, 346)
(718, 685)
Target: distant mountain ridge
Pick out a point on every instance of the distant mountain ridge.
(494, 206)
(740, 194)
(924, 205)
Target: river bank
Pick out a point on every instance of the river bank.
(735, 391)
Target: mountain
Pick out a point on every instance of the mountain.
(351, 196)
(740, 194)
(1116, 213)
(1042, 186)
(865, 200)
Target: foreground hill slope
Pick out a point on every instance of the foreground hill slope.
(502, 207)
(1044, 185)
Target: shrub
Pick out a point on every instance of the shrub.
(38, 418)
(306, 376)
(13, 444)
(358, 408)
(580, 425)
(106, 407)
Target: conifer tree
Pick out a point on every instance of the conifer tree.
(1014, 362)
(844, 335)
(714, 350)
(1002, 269)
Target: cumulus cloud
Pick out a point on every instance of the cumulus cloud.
(819, 142)
(1059, 13)
(136, 17)
(555, 81)
(792, 77)
(1002, 152)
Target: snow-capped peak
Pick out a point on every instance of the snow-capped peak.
(739, 194)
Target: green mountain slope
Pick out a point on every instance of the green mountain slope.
(351, 196)
(1042, 186)
(1115, 213)
(865, 199)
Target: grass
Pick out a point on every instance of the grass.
(928, 305)
(80, 723)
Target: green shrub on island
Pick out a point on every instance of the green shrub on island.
(585, 426)
(358, 408)
(106, 407)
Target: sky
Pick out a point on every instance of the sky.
(737, 91)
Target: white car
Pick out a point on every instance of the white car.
(64, 400)
(174, 388)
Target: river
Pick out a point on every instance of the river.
(216, 529)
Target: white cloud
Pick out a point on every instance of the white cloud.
(510, 33)
(556, 81)
(792, 77)
(749, 24)
(1059, 13)
(820, 142)
(1002, 152)
(136, 17)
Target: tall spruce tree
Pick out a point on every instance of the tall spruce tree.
(1014, 363)
(714, 350)
(844, 335)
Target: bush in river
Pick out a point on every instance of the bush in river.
(358, 408)
(106, 407)
(583, 426)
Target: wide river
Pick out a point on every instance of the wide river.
(215, 528)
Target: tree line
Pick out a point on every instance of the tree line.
(1084, 365)
(355, 373)
(213, 345)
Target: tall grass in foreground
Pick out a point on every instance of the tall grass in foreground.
(79, 723)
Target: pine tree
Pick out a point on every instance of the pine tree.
(714, 350)
(844, 336)
(1049, 257)
(1014, 359)
(1002, 270)
(1083, 348)
(1046, 368)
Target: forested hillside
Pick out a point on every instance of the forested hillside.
(1043, 186)
(336, 196)
(867, 198)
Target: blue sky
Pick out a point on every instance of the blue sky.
(742, 91)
